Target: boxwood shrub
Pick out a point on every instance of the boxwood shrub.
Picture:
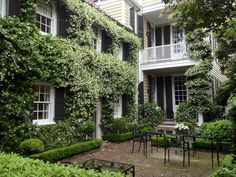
(14, 165)
(118, 137)
(200, 144)
(31, 146)
(122, 136)
(54, 155)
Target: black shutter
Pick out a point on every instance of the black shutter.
(160, 92)
(14, 7)
(169, 100)
(140, 27)
(105, 41)
(124, 105)
(59, 104)
(149, 29)
(132, 18)
(167, 35)
(125, 51)
(158, 36)
(140, 93)
(62, 21)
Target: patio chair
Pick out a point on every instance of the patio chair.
(139, 138)
(176, 144)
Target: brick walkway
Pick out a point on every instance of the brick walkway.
(153, 165)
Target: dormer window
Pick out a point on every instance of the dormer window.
(45, 17)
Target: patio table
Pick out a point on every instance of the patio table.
(100, 165)
(149, 134)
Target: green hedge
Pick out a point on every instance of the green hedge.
(200, 144)
(14, 165)
(60, 153)
(118, 137)
(114, 138)
(227, 169)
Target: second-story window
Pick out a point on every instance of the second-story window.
(97, 39)
(45, 17)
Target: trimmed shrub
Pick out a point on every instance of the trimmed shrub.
(150, 114)
(31, 146)
(60, 153)
(118, 137)
(14, 165)
(221, 129)
(114, 138)
(186, 113)
(227, 169)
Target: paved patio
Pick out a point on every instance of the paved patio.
(153, 165)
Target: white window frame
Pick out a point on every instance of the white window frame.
(118, 108)
(98, 40)
(4, 4)
(120, 52)
(51, 114)
(175, 106)
(53, 19)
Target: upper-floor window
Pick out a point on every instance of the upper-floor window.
(97, 41)
(46, 17)
(44, 103)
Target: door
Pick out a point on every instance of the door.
(180, 91)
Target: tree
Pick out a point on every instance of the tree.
(219, 18)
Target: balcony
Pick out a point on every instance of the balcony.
(164, 52)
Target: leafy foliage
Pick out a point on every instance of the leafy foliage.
(221, 129)
(186, 113)
(14, 165)
(31, 146)
(28, 56)
(150, 114)
(227, 169)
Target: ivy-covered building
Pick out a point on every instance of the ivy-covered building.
(163, 59)
(65, 60)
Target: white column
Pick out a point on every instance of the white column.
(98, 120)
(200, 118)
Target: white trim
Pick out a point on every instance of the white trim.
(53, 18)
(51, 115)
(120, 54)
(167, 64)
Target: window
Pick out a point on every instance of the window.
(45, 17)
(180, 89)
(97, 40)
(43, 104)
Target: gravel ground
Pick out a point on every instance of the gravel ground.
(153, 164)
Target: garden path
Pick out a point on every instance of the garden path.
(153, 165)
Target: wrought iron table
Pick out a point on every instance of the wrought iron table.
(101, 165)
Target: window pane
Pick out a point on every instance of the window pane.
(40, 115)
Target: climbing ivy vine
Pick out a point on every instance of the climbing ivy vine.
(89, 76)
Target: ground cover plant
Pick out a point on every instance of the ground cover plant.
(14, 165)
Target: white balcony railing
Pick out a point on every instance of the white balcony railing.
(164, 52)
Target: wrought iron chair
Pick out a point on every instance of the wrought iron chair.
(139, 138)
(177, 143)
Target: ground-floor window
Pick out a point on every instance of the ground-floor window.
(44, 103)
(180, 89)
